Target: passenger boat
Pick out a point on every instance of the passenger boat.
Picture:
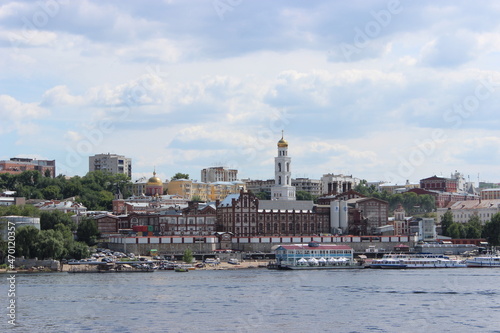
(484, 261)
(314, 256)
(403, 261)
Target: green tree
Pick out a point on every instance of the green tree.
(87, 231)
(446, 221)
(52, 192)
(48, 220)
(473, 228)
(456, 230)
(491, 230)
(263, 195)
(180, 175)
(303, 195)
(50, 245)
(187, 257)
(196, 198)
(26, 241)
(78, 250)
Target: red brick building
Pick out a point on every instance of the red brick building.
(17, 165)
(244, 215)
(440, 184)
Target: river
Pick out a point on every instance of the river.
(259, 300)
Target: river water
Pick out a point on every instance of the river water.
(259, 300)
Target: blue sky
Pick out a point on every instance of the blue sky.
(382, 90)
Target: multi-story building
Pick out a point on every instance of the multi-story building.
(257, 186)
(189, 189)
(336, 184)
(463, 211)
(17, 165)
(442, 199)
(112, 163)
(218, 174)
(312, 186)
(439, 184)
(282, 188)
(370, 212)
(197, 219)
(395, 188)
(66, 206)
(490, 194)
(147, 204)
(244, 215)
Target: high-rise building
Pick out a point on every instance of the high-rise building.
(112, 163)
(282, 189)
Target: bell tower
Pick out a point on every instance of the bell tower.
(282, 189)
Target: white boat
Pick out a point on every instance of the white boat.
(484, 261)
(403, 261)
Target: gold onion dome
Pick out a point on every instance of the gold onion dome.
(155, 180)
(282, 143)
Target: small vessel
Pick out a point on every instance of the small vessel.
(484, 261)
(181, 269)
(420, 260)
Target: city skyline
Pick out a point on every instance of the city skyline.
(381, 90)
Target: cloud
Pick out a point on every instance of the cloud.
(17, 116)
(449, 50)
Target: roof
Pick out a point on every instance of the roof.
(229, 200)
(475, 204)
(286, 205)
(320, 246)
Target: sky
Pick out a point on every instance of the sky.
(380, 90)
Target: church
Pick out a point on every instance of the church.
(244, 215)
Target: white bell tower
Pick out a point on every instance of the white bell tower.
(282, 189)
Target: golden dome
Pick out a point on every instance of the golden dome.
(154, 181)
(282, 143)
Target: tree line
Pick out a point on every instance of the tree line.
(95, 190)
(472, 229)
(55, 239)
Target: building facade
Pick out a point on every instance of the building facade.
(282, 189)
(244, 215)
(189, 189)
(463, 211)
(17, 165)
(218, 174)
(336, 184)
(312, 186)
(439, 184)
(116, 164)
(490, 194)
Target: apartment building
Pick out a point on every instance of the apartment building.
(112, 163)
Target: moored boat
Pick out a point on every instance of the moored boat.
(403, 261)
(484, 261)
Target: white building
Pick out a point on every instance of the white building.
(282, 189)
(337, 184)
(462, 211)
(218, 174)
(112, 163)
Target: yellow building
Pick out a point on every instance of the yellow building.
(204, 191)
